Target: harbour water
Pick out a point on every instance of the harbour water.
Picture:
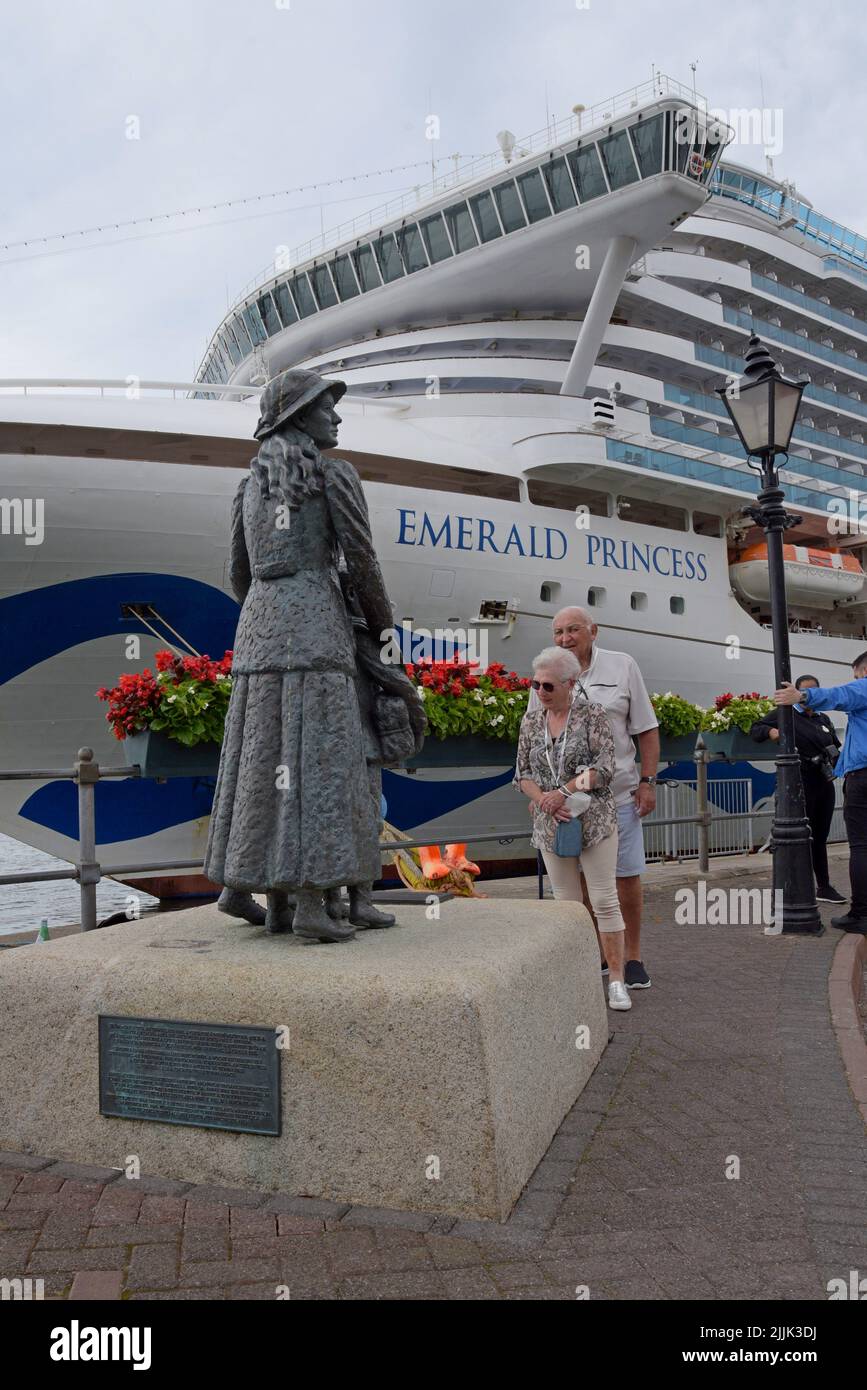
(24, 905)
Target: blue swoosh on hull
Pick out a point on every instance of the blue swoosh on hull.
(131, 810)
(763, 782)
(43, 622)
(123, 810)
(410, 803)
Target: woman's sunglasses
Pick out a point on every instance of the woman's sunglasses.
(547, 686)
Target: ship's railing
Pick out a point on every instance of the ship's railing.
(130, 387)
(467, 171)
(87, 871)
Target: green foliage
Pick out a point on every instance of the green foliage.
(193, 711)
(676, 715)
(740, 712)
(486, 712)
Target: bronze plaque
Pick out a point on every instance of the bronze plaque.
(210, 1075)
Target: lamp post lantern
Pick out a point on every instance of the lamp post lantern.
(763, 406)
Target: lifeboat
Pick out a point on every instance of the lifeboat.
(815, 578)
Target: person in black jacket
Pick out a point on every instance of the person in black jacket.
(817, 744)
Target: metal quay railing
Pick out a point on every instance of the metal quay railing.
(88, 872)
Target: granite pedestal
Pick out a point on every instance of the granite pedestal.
(428, 1065)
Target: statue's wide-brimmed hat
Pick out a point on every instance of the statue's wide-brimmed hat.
(287, 394)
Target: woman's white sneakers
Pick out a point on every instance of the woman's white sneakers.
(618, 996)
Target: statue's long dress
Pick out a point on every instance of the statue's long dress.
(294, 711)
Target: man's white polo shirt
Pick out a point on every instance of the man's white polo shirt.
(614, 681)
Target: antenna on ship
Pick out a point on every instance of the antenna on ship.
(693, 65)
(769, 162)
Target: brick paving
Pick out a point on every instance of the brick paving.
(729, 1061)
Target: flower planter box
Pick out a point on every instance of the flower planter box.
(731, 743)
(736, 745)
(159, 756)
(677, 748)
(470, 751)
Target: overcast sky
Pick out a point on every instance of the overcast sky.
(233, 98)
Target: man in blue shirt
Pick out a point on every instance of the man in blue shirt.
(852, 767)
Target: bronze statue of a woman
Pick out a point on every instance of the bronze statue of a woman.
(293, 815)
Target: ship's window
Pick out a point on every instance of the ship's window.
(667, 146)
(411, 249)
(388, 258)
(442, 584)
(535, 197)
(706, 524)
(485, 215)
(341, 269)
(269, 314)
(549, 593)
(242, 335)
(559, 184)
(221, 363)
(638, 603)
(647, 139)
(303, 296)
(617, 157)
(284, 305)
(567, 497)
(640, 512)
(231, 346)
(322, 286)
(677, 604)
(461, 227)
(435, 239)
(595, 598)
(684, 133)
(365, 268)
(254, 324)
(587, 173)
(509, 205)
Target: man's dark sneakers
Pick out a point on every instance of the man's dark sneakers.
(850, 923)
(635, 976)
(829, 895)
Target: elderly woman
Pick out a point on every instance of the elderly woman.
(564, 748)
(293, 813)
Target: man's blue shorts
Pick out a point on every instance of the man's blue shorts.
(630, 843)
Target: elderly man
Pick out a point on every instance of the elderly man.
(612, 679)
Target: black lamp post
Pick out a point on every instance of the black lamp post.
(763, 406)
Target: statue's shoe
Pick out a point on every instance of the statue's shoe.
(336, 905)
(241, 905)
(280, 923)
(316, 925)
(363, 913)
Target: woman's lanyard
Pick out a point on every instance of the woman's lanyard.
(558, 775)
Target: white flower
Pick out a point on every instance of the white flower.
(511, 700)
(491, 700)
(205, 704)
(477, 695)
(222, 678)
(172, 699)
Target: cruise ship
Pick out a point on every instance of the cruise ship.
(532, 349)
